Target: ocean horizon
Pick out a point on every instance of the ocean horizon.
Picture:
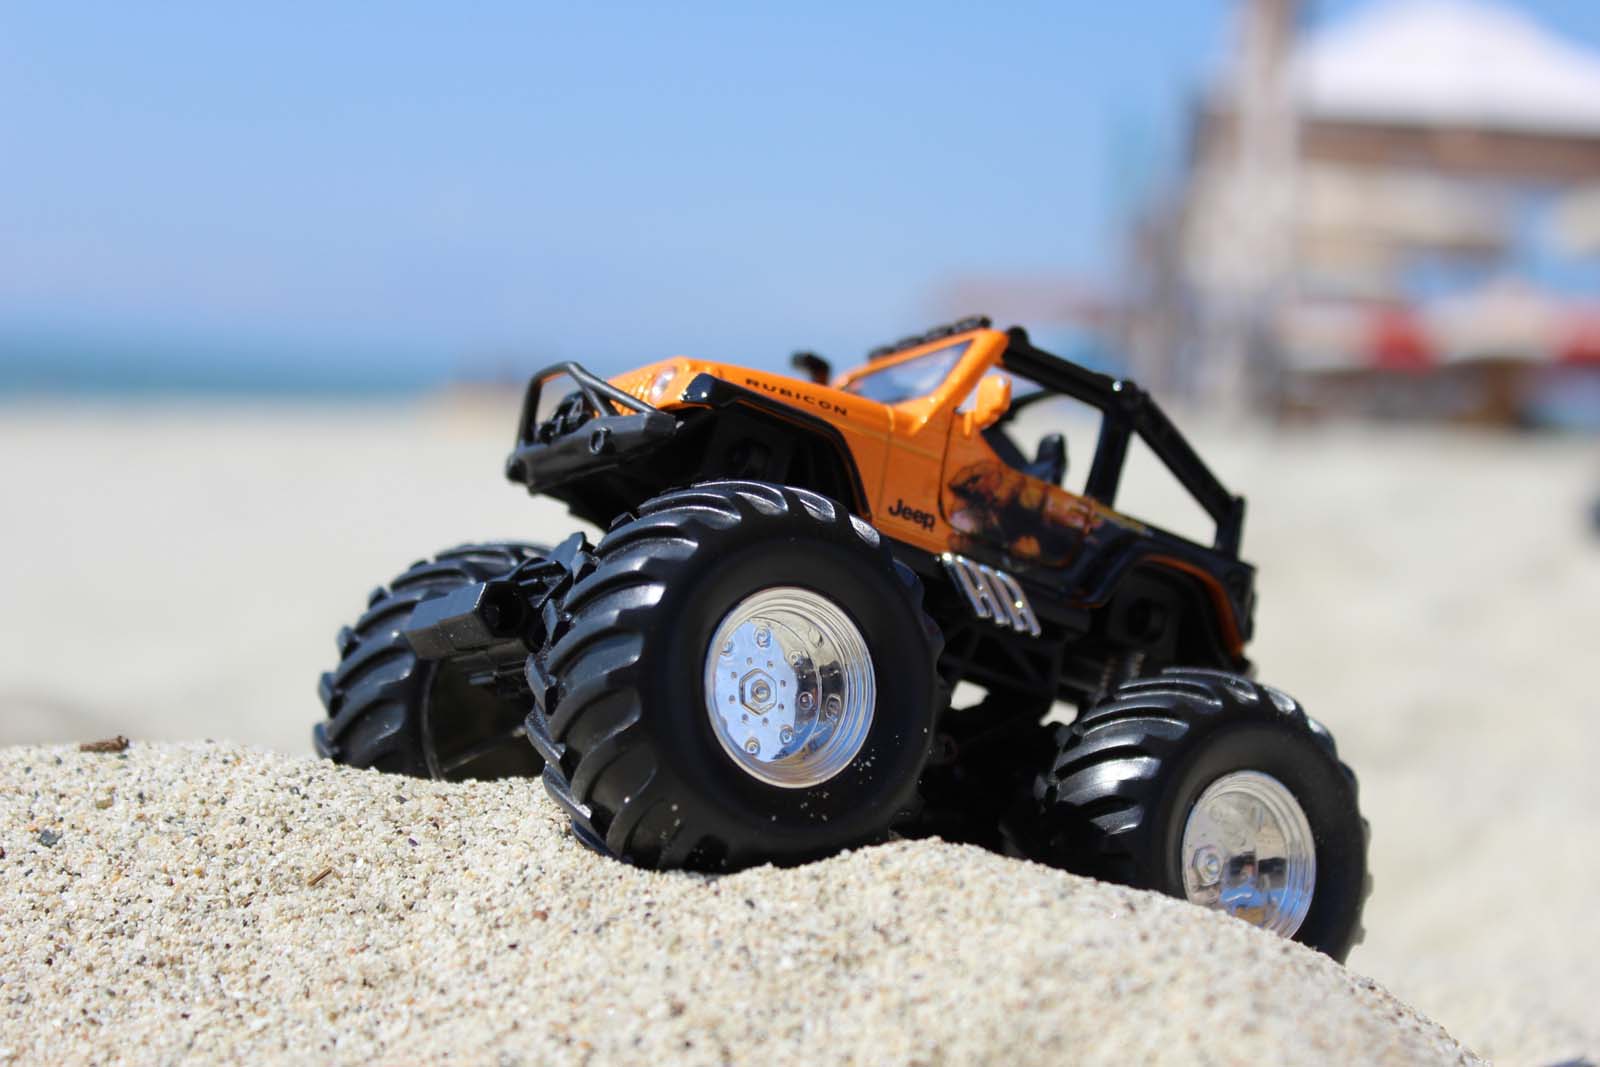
(66, 366)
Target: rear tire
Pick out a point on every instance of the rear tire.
(1120, 795)
(390, 711)
(632, 748)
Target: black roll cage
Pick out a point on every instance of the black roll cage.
(1126, 410)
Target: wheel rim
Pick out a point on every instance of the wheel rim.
(1248, 851)
(789, 687)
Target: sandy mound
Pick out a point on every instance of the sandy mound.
(213, 904)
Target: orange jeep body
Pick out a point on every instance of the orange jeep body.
(901, 441)
(912, 455)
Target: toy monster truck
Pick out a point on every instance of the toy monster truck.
(756, 661)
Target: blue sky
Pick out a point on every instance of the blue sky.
(448, 184)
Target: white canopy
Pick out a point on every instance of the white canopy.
(1453, 63)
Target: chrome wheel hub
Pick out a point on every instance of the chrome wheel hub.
(789, 687)
(1248, 851)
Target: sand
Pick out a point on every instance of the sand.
(215, 904)
(178, 573)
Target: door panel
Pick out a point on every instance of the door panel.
(996, 509)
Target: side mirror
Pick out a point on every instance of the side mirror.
(993, 400)
(814, 367)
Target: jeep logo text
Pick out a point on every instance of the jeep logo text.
(902, 510)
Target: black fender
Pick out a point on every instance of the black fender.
(838, 471)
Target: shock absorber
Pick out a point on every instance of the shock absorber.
(1119, 668)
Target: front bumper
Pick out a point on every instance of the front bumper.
(595, 428)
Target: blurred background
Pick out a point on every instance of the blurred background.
(1300, 205)
(270, 280)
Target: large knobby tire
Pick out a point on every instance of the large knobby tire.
(631, 748)
(1129, 771)
(388, 710)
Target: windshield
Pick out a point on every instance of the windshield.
(913, 378)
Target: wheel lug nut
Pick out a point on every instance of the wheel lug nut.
(786, 735)
(763, 637)
(1208, 866)
(753, 747)
(805, 701)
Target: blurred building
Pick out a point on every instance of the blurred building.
(1398, 213)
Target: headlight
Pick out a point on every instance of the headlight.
(662, 383)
